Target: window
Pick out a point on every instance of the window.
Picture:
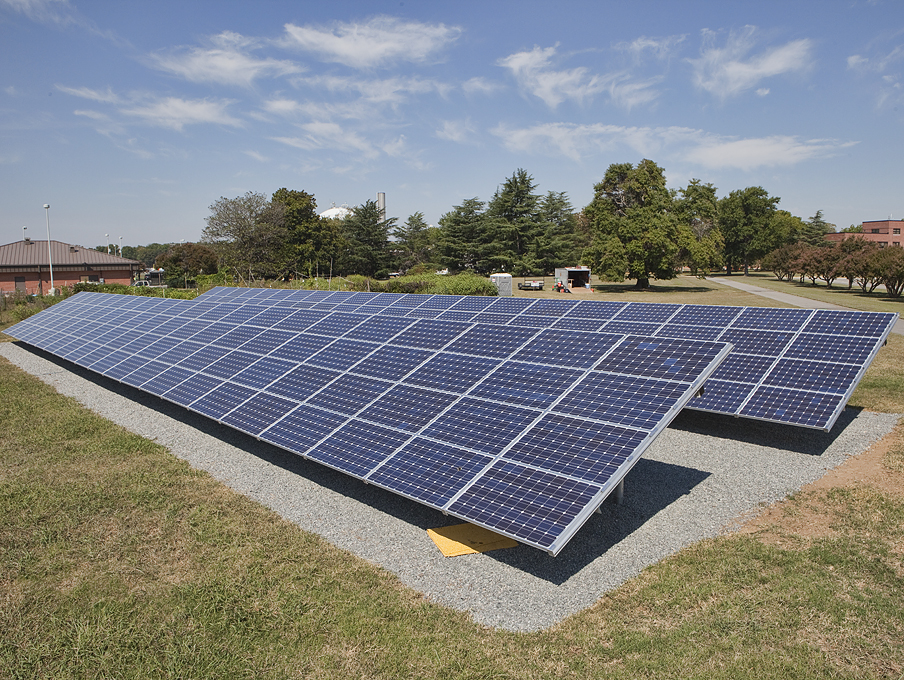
(873, 231)
(896, 230)
(90, 278)
(20, 284)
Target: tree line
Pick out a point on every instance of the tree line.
(633, 228)
(859, 261)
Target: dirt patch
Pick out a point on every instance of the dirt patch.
(807, 517)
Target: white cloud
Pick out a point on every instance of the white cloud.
(226, 61)
(763, 91)
(660, 48)
(732, 69)
(479, 86)
(108, 97)
(42, 11)
(856, 61)
(381, 41)
(323, 135)
(534, 73)
(257, 156)
(176, 113)
(579, 142)
(456, 131)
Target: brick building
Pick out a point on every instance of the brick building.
(24, 266)
(883, 232)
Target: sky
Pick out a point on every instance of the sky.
(132, 118)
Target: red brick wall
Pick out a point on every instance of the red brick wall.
(35, 285)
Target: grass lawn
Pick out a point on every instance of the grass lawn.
(118, 560)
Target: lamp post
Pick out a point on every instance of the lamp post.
(107, 237)
(49, 256)
(120, 246)
(24, 235)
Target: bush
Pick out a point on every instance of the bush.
(465, 283)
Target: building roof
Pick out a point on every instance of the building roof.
(33, 253)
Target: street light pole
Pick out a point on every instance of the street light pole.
(49, 256)
(107, 237)
(120, 246)
(24, 235)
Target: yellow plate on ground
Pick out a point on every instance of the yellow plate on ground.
(467, 539)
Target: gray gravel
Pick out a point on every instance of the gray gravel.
(699, 477)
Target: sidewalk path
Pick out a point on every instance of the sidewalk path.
(795, 300)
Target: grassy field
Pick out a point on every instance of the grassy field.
(118, 560)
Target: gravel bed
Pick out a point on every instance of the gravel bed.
(700, 476)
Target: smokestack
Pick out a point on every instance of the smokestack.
(381, 205)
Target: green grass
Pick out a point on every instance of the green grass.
(118, 560)
(838, 294)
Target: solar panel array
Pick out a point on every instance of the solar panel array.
(790, 366)
(524, 430)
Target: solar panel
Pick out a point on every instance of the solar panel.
(477, 421)
(825, 338)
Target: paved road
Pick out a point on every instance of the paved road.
(795, 300)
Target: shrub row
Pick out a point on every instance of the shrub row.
(857, 260)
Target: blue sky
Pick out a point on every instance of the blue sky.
(131, 118)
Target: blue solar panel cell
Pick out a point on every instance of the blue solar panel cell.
(490, 341)
(232, 363)
(576, 448)
(812, 375)
(530, 321)
(763, 343)
(165, 381)
(203, 358)
(553, 307)
(452, 315)
(743, 368)
(301, 320)
(509, 305)
(392, 363)
(630, 327)
(342, 354)
(302, 428)
(495, 319)
(301, 347)
(266, 342)
(258, 413)
(348, 394)
(533, 506)
(192, 388)
(630, 401)
(407, 408)
(766, 318)
(480, 426)
(428, 471)
(791, 406)
(356, 448)
(379, 328)
(337, 324)
(430, 334)
(848, 350)
(144, 373)
(123, 368)
(243, 314)
(649, 312)
(204, 332)
(837, 322)
(705, 315)
(180, 352)
(671, 330)
(660, 358)
(222, 399)
(263, 372)
(526, 384)
(272, 316)
(567, 348)
(451, 372)
(720, 396)
(303, 381)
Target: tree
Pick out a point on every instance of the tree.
(366, 241)
(889, 263)
(745, 218)
(147, 255)
(560, 241)
(782, 261)
(184, 261)
(312, 241)
(249, 234)
(815, 230)
(701, 241)
(413, 241)
(636, 230)
(513, 220)
(464, 238)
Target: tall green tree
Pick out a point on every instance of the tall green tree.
(635, 227)
(815, 229)
(701, 240)
(312, 241)
(559, 241)
(745, 218)
(182, 262)
(514, 221)
(464, 239)
(413, 242)
(366, 241)
(249, 235)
